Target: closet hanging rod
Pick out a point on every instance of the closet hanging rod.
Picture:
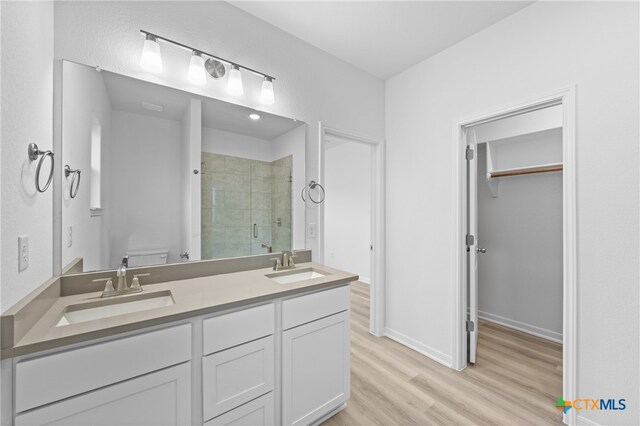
(527, 170)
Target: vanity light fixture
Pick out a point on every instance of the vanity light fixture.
(214, 65)
(151, 60)
(266, 94)
(197, 74)
(254, 116)
(234, 84)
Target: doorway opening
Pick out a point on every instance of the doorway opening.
(496, 204)
(351, 222)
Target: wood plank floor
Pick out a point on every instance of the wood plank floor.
(516, 380)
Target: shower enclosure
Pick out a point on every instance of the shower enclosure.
(245, 204)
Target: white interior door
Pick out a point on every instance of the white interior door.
(472, 244)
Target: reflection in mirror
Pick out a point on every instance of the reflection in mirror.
(170, 176)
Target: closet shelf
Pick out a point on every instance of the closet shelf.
(543, 168)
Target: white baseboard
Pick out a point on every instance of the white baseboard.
(520, 326)
(425, 350)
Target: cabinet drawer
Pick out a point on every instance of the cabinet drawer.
(235, 376)
(53, 377)
(160, 398)
(233, 329)
(303, 309)
(259, 412)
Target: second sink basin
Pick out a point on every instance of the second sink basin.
(105, 308)
(296, 275)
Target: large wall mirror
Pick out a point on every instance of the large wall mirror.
(163, 176)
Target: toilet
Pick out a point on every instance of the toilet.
(147, 257)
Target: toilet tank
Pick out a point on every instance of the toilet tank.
(147, 257)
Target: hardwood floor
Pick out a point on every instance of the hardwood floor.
(516, 380)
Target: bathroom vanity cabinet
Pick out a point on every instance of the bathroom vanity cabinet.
(284, 361)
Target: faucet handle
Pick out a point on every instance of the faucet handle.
(108, 287)
(292, 256)
(278, 264)
(135, 283)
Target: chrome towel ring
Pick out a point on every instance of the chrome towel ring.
(307, 190)
(34, 153)
(76, 174)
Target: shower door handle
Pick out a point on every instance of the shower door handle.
(255, 230)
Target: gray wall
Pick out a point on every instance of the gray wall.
(520, 276)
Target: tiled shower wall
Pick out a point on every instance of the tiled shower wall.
(241, 200)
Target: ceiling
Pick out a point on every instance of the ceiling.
(382, 38)
(127, 94)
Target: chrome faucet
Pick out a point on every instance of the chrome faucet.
(123, 287)
(122, 274)
(285, 261)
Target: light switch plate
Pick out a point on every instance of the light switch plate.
(23, 252)
(311, 230)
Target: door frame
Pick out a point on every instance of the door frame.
(377, 284)
(566, 98)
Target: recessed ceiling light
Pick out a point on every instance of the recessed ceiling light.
(152, 107)
(254, 116)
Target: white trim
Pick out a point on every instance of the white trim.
(377, 279)
(565, 97)
(420, 347)
(582, 421)
(521, 326)
(329, 414)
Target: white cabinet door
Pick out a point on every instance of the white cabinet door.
(259, 412)
(315, 369)
(160, 398)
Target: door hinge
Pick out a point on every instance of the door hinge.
(469, 153)
(470, 325)
(470, 240)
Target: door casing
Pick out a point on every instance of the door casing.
(377, 285)
(566, 98)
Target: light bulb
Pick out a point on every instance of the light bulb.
(197, 74)
(234, 85)
(266, 94)
(151, 60)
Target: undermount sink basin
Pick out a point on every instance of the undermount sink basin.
(106, 308)
(296, 275)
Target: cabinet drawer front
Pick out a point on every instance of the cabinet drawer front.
(237, 375)
(160, 398)
(233, 329)
(259, 412)
(53, 377)
(303, 309)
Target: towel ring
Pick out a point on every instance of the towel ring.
(75, 173)
(34, 153)
(307, 189)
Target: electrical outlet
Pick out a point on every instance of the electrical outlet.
(69, 236)
(311, 230)
(23, 252)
